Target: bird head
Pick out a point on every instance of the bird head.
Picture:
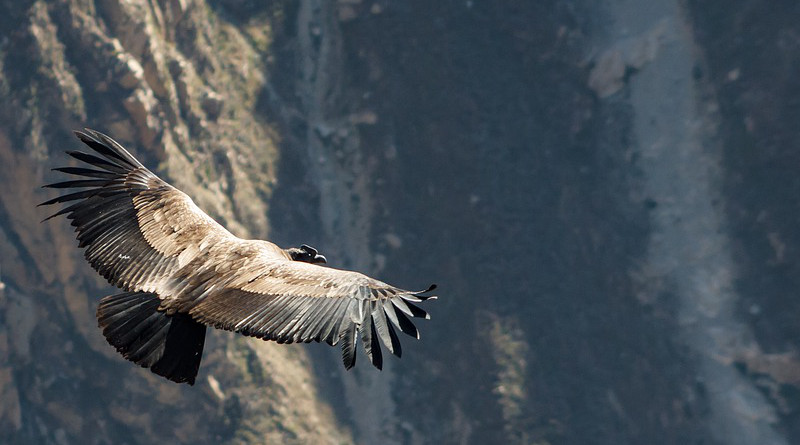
(306, 254)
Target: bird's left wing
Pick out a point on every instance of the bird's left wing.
(137, 229)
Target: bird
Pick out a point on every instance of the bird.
(180, 271)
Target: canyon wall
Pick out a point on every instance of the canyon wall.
(605, 192)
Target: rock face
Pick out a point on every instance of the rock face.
(179, 84)
(606, 194)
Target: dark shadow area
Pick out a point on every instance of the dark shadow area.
(498, 169)
(753, 55)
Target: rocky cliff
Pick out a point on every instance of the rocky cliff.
(179, 82)
(606, 194)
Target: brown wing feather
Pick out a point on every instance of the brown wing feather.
(136, 228)
(289, 301)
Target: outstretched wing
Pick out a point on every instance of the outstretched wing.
(142, 234)
(292, 301)
(137, 229)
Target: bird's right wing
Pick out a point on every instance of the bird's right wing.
(292, 301)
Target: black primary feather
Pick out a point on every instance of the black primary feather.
(170, 345)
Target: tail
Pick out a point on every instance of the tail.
(170, 345)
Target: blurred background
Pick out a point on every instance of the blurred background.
(607, 194)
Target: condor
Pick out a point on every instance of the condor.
(182, 271)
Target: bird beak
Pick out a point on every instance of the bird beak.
(320, 259)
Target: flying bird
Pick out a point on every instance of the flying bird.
(180, 271)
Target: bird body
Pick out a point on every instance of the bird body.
(181, 271)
